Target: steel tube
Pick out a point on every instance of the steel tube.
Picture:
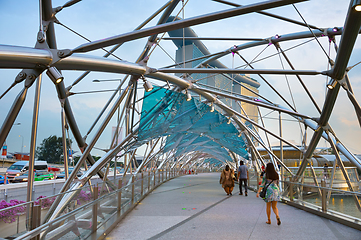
(182, 24)
(213, 38)
(12, 114)
(65, 151)
(23, 57)
(269, 14)
(347, 42)
(34, 130)
(241, 71)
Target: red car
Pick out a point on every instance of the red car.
(53, 169)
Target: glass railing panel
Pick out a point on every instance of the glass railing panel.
(76, 224)
(344, 202)
(13, 219)
(107, 205)
(77, 219)
(337, 200)
(84, 196)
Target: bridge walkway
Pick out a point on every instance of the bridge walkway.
(196, 207)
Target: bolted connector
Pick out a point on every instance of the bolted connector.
(41, 37)
(20, 77)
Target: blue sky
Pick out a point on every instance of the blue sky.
(19, 23)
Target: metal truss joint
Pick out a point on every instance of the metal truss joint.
(150, 70)
(57, 9)
(269, 41)
(327, 128)
(331, 62)
(151, 44)
(328, 73)
(31, 75)
(41, 37)
(144, 61)
(277, 45)
(20, 77)
(64, 53)
(331, 38)
(318, 128)
(343, 83)
(134, 79)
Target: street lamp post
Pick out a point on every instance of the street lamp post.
(22, 145)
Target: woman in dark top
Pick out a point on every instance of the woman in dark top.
(273, 192)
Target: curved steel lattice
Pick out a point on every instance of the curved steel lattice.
(265, 84)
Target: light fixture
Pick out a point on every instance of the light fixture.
(277, 36)
(54, 75)
(335, 29)
(229, 120)
(331, 84)
(357, 5)
(189, 97)
(147, 86)
(212, 107)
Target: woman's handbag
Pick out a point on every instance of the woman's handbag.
(264, 190)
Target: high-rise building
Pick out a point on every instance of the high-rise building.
(231, 83)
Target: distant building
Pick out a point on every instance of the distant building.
(293, 158)
(194, 49)
(21, 156)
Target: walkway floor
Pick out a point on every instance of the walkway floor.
(196, 207)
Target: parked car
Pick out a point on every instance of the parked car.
(2, 179)
(38, 176)
(70, 170)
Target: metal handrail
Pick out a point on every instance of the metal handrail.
(44, 227)
(325, 188)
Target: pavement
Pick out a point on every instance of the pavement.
(196, 207)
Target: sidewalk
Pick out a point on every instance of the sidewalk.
(196, 207)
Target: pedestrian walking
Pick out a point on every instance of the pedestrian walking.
(242, 178)
(325, 171)
(271, 181)
(227, 180)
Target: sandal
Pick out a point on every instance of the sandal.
(278, 221)
(268, 222)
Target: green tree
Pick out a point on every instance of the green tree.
(51, 149)
(76, 158)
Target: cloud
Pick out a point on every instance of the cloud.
(348, 122)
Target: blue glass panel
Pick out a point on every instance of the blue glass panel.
(188, 125)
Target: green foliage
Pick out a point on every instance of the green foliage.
(51, 149)
(76, 158)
